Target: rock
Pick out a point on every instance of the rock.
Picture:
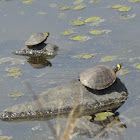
(69, 94)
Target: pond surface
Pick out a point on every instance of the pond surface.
(119, 38)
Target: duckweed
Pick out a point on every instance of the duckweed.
(64, 8)
(88, 117)
(103, 116)
(124, 9)
(5, 0)
(123, 72)
(92, 19)
(67, 32)
(84, 56)
(5, 138)
(78, 1)
(108, 58)
(134, 0)
(94, 1)
(42, 13)
(26, 1)
(79, 7)
(77, 38)
(15, 95)
(53, 5)
(117, 6)
(14, 72)
(138, 66)
(95, 32)
(78, 22)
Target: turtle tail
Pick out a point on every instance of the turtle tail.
(118, 67)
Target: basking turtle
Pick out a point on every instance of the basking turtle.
(35, 46)
(69, 94)
(99, 77)
(36, 39)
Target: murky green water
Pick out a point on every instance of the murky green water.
(19, 21)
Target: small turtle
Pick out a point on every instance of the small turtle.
(36, 39)
(99, 77)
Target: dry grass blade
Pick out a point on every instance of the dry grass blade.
(49, 124)
(71, 122)
(58, 122)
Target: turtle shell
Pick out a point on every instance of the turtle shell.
(36, 39)
(98, 77)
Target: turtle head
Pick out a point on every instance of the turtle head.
(47, 34)
(118, 67)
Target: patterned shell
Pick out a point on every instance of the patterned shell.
(98, 77)
(36, 39)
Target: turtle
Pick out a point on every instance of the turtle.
(99, 77)
(36, 39)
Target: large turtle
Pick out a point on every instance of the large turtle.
(99, 77)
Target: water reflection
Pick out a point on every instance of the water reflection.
(108, 128)
(39, 62)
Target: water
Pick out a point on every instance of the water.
(19, 21)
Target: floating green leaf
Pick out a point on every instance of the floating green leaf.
(84, 56)
(117, 6)
(42, 13)
(124, 9)
(77, 38)
(53, 5)
(134, 0)
(15, 95)
(108, 58)
(78, 22)
(123, 72)
(88, 117)
(52, 82)
(92, 19)
(67, 32)
(138, 66)
(5, 138)
(5, 0)
(26, 1)
(13, 72)
(64, 8)
(78, 1)
(103, 116)
(95, 32)
(79, 7)
(94, 1)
